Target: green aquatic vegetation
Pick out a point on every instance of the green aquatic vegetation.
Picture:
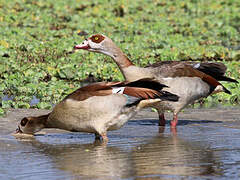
(36, 40)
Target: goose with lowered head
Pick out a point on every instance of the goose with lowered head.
(99, 107)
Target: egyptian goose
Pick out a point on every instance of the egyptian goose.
(99, 107)
(190, 81)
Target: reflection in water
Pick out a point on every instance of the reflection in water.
(137, 151)
(94, 161)
(161, 155)
(171, 155)
(89, 161)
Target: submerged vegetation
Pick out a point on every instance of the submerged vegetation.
(36, 37)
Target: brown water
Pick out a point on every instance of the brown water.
(206, 146)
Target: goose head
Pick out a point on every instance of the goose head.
(31, 125)
(100, 44)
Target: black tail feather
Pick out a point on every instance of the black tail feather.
(149, 83)
(226, 90)
(167, 96)
(216, 70)
(224, 78)
(146, 83)
(154, 85)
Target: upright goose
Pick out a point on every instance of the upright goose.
(190, 81)
(99, 107)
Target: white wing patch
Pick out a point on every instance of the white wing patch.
(168, 78)
(118, 90)
(196, 65)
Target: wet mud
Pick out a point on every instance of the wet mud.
(206, 145)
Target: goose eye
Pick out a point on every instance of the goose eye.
(97, 38)
(24, 121)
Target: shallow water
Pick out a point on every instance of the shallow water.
(205, 146)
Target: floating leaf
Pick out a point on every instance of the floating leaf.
(4, 43)
(2, 112)
(44, 105)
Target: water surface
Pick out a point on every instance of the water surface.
(205, 146)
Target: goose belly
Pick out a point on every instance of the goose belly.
(118, 121)
(96, 114)
(189, 89)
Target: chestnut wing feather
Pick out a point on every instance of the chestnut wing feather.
(96, 89)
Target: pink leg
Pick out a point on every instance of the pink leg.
(104, 137)
(174, 121)
(162, 120)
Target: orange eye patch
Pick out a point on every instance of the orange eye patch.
(97, 38)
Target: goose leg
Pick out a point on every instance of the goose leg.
(174, 121)
(104, 137)
(162, 120)
(101, 138)
(97, 137)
